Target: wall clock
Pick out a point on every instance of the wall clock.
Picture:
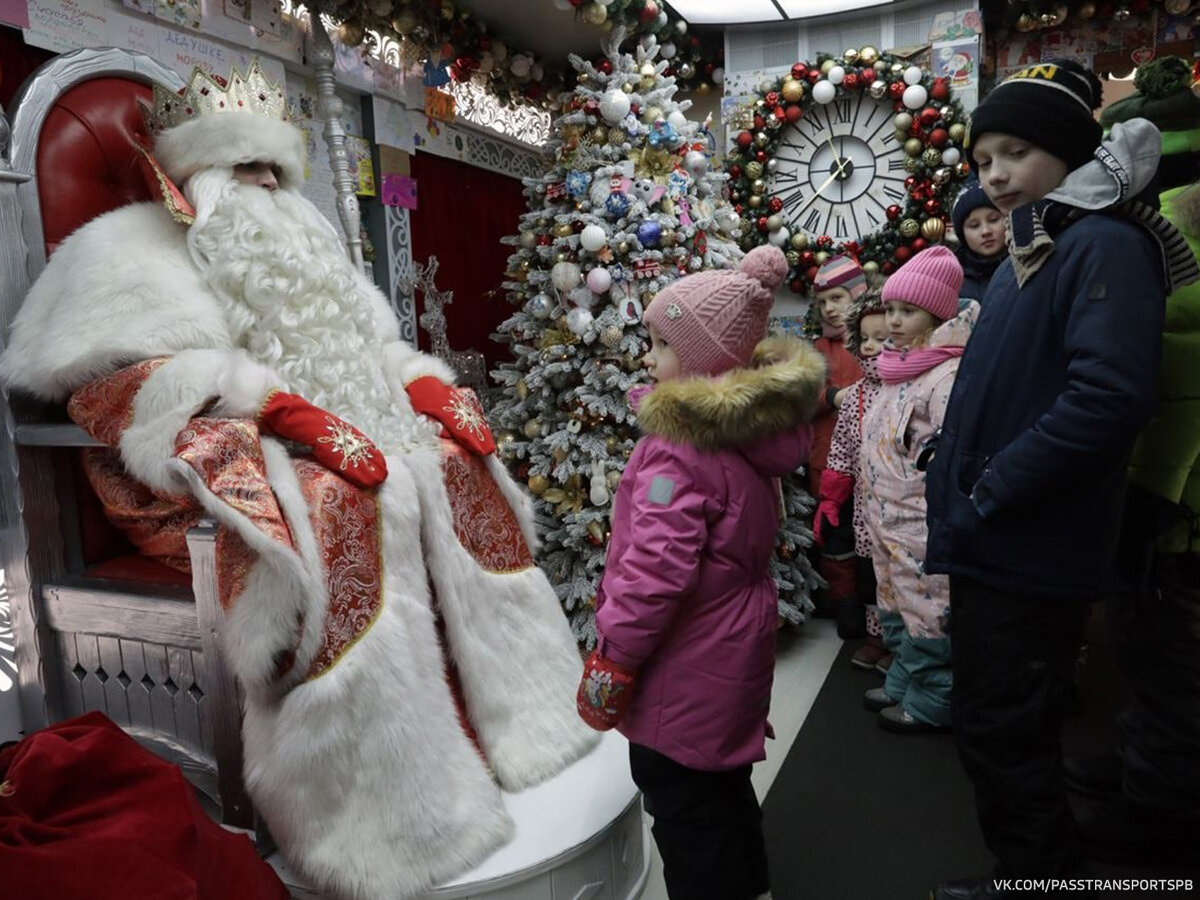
(858, 154)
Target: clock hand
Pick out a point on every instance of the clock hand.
(826, 183)
(837, 159)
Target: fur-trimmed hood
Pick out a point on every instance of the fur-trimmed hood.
(744, 407)
(229, 139)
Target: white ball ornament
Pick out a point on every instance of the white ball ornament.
(695, 163)
(520, 66)
(563, 5)
(824, 91)
(579, 320)
(667, 50)
(581, 296)
(779, 237)
(599, 280)
(540, 306)
(677, 120)
(592, 238)
(915, 96)
(614, 106)
(718, 74)
(951, 156)
(912, 75)
(836, 75)
(565, 276)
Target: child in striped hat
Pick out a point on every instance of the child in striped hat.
(839, 282)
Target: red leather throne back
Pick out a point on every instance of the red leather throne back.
(87, 163)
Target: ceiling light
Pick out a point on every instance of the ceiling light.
(722, 12)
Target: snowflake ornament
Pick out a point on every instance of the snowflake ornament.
(347, 442)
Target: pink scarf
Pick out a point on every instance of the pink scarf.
(834, 334)
(904, 365)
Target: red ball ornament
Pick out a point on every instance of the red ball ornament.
(648, 13)
(896, 89)
(940, 89)
(799, 70)
(918, 244)
(850, 82)
(592, 107)
(929, 115)
(939, 137)
(709, 68)
(888, 267)
(793, 113)
(824, 242)
(738, 208)
(735, 171)
(604, 66)
(759, 123)
(762, 223)
(893, 213)
(544, 240)
(808, 258)
(780, 114)
(910, 182)
(932, 207)
(797, 285)
(811, 273)
(901, 254)
(867, 76)
(775, 204)
(761, 155)
(813, 76)
(577, 226)
(745, 140)
(772, 98)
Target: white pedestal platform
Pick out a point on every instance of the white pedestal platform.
(579, 836)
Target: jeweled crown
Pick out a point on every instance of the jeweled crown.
(207, 94)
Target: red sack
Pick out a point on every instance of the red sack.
(86, 811)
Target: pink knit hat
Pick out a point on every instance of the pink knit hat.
(930, 280)
(841, 271)
(713, 320)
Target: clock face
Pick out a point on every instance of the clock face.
(839, 168)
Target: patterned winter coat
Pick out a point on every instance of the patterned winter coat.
(843, 370)
(899, 425)
(687, 598)
(846, 445)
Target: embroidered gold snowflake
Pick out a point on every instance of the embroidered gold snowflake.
(347, 442)
(468, 416)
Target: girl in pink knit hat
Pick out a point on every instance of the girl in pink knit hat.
(686, 611)
(928, 328)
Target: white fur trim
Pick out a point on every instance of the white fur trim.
(519, 665)
(129, 265)
(403, 365)
(228, 139)
(243, 386)
(364, 776)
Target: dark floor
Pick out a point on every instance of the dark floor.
(857, 813)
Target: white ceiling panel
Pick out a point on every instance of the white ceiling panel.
(725, 12)
(805, 9)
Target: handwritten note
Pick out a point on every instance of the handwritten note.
(62, 25)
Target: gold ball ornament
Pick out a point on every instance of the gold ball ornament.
(931, 157)
(623, 247)
(594, 13)
(799, 241)
(647, 70)
(877, 90)
(617, 136)
(563, 230)
(611, 444)
(911, 163)
(793, 258)
(947, 114)
(559, 455)
(868, 55)
(792, 91)
(611, 336)
(538, 484)
(826, 66)
(957, 132)
(897, 68)
(703, 89)
(909, 228)
(822, 257)
(352, 33)
(652, 114)
(871, 267)
(754, 169)
(755, 201)
(941, 175)
(613, 479)
(758, 186)
(913, 147)
(554, 495)
(627, 87)
(521, 389)
(761, 139)
(404, 22)
(1026, 23)
(933, 230)
(533, 429)
(850, 55)
(504, 442)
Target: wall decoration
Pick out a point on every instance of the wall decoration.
(859, 153)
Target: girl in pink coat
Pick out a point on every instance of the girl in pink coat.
(927, 333)
(686, 611)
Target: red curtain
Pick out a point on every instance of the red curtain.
(17, 61)
(462, 212)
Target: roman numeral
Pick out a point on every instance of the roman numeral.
(895, 165)
(813, 220)
(782, 176)
(875, 220)
(889, 138)
(792, 198)
(894, 192)
(841, 112)
(839, 227)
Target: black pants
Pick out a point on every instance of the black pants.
(1013, 657)
(1157, 635)
(707, 825)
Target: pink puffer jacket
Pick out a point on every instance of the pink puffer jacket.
(686, 598)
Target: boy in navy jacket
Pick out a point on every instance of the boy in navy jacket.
(1026, 488)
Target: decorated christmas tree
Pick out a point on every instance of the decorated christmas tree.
(630, 204)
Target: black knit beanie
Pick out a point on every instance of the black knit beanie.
(1049, 104)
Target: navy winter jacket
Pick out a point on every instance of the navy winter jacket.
(977, 272)
(1055, 384)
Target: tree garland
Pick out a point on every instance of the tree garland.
(929, 123)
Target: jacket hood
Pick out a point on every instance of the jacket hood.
(1123, 167)
(954, 332)
(744, 409)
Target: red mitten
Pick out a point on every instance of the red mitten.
(605, 692)
(335, 444)
(836, 489)
(456, 408)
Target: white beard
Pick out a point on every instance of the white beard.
(293, 301)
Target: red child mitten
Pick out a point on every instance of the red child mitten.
(836, 489)
(605, 692)
(456, 408)
(336, 444)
